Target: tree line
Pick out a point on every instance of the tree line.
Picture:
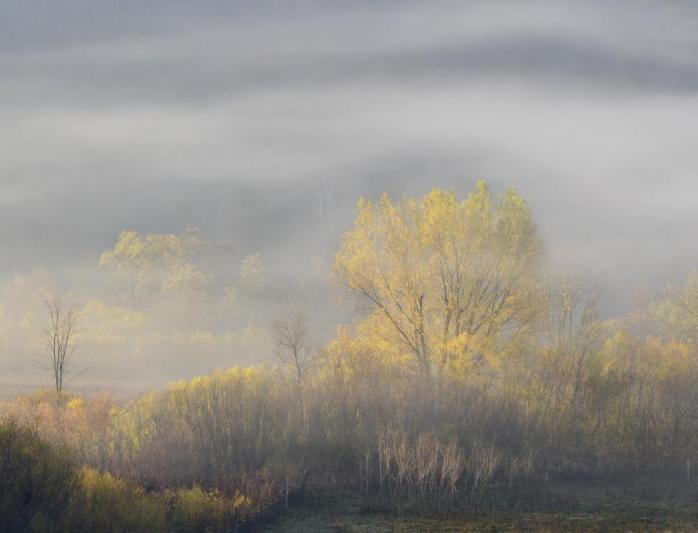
(469, 378)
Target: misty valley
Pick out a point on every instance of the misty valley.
(473, 385)
(357, 266)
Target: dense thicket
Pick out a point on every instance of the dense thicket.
(44, 489)
(38, 481)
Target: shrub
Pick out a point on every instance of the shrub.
(109, 504)
(37, 481)
(198, 511)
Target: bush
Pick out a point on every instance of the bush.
(43, 491)
(37, 481)
(198, 511)
(109, 504)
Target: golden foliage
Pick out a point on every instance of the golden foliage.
(453, 284)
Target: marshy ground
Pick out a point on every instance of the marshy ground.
(614, 509)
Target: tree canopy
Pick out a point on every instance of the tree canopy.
(451, 283)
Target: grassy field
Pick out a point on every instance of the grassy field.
(9, 390)
(593, 510)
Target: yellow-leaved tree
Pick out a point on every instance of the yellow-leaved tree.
(451, 284)
(677, 314)
(156, 266)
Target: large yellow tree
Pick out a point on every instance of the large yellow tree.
(451, 284)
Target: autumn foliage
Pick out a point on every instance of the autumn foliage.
(470, 376)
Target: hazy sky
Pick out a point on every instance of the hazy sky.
(263, 122)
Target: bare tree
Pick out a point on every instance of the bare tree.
(292, 341)
(576, 327)
(59, 338)
(294, 352)
(296, 356)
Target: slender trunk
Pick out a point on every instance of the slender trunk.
(286, 491)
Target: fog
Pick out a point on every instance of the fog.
(262, 123)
